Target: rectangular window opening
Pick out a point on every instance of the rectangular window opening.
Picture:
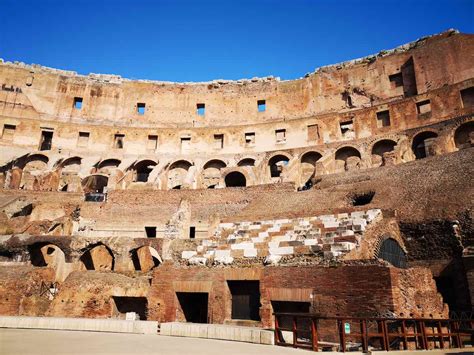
(185, 142)
(218, 141)
(8, 132)
(150, 232)
(262, 105)
(347, 129)
(396, 80)
(280, 135)
(152, 142)
(467, 97)
(141, 108)
(250, 139)
(119, 141)
(313, 132)
(192, 232)
(423, 108)
(78, 103)
(83, 139)
(201, 109)
(46, 140)
(383, 119)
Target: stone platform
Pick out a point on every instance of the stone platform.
(218, 331)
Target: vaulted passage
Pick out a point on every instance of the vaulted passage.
(235, 179)
(194, 306)
(423, 144)
(98, 257)
(245, 299)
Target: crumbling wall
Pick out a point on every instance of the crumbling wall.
(89, 294)
(22, 289)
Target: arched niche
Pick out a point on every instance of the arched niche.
(107, 166)
(308, 165)
(33, 167)
(95, 183)
(347, 158)
(246, 162)
(423, 144)
(276, 165)
(235, 179)
(142, 170)
(46, 254)
(98, 257)
(177, 174)
(69, 179)
(211, 173)
(380, 148)
(464, 136)
(145, 258)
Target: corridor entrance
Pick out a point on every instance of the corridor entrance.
(194, 306)
(245, 299)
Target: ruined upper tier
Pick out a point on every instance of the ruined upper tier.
(415, 68)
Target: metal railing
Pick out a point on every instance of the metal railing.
(317, 333)
(95, 197)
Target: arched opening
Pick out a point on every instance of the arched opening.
(308, 167)
(98, 257)
(33, 167)
(143, 170)
(235, 179)
(211, 173)
(246, 162)
(464, 136)
(107, 166)
(348, 158)
(45, 254)
(177, 174)
(276, 165)
(380, 148)
(145, 258)
(393, 253)
(70, 180)
(95, 184)
(423, 144)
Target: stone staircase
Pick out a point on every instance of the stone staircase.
(329, 236)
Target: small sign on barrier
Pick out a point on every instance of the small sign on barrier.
(347, 328)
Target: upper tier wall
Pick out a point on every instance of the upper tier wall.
(47, 94)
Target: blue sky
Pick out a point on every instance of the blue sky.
(202, 40)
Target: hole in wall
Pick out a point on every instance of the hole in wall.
(361, 199)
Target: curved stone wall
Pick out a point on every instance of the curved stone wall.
(67, 132)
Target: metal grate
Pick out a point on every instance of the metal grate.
(391, 251)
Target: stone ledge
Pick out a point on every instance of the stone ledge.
(218, 331)
(82, 324)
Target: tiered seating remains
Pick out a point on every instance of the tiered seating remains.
(328, 236)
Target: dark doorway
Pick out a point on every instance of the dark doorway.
(192, 232)
(194, 306)
(46, 140)
(150, 232)
(445, 286)
(245, 299)
(139, 305)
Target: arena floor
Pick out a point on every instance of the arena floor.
(51, 342)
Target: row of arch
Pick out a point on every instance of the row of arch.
(215, 172)
(96, 256)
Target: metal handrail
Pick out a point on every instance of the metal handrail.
(420, 333)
